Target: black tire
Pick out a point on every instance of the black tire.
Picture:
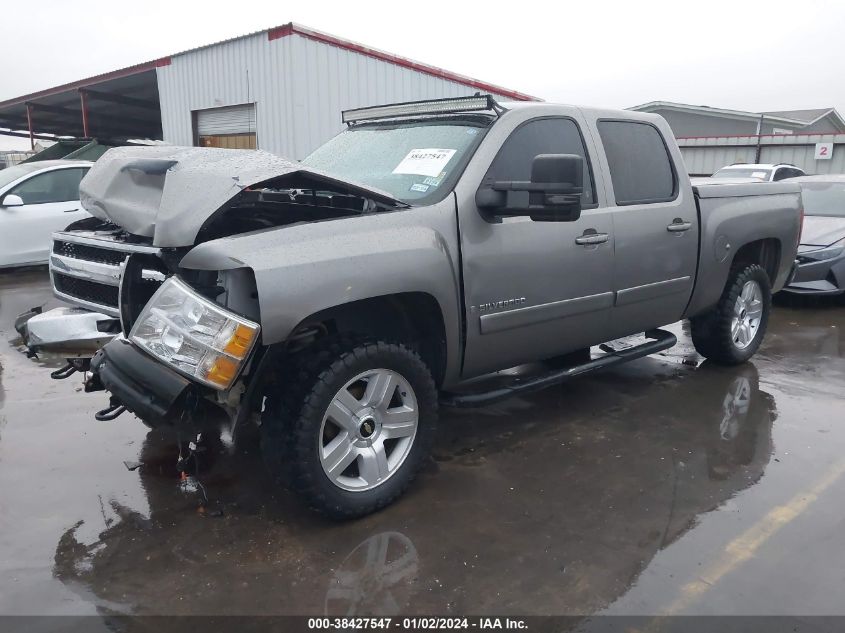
(292, 421)
(711, 332)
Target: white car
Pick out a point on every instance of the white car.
(37, 199)
(764, 172)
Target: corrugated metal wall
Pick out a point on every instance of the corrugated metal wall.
(703, 156)
(299, 87)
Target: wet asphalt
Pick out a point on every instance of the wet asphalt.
(666, 486)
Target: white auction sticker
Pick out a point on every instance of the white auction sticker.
(425, 162)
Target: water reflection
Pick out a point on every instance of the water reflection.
(376, 578)
(548, 504)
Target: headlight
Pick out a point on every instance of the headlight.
(822, 254)
(194, 335)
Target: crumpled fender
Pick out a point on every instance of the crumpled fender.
(306, 268)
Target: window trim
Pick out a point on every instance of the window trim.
(675, 180)
(587, 157)
(83, 168)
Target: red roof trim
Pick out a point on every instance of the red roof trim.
(291, 29)
(754, 136)
(90, 81)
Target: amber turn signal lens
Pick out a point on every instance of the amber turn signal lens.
(223, 371)
(240, 342)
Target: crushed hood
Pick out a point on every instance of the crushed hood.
(821, 230)
(167, 193)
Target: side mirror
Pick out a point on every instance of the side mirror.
(12, 200)
(554, 191)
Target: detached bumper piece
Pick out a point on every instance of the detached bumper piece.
(659, 340)
(69, 332)
(137, 382)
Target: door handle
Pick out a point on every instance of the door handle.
(591, 237)
(72, 210)
(679, 226)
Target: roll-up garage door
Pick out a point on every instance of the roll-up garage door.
(232, 127)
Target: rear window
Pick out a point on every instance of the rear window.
(640, 167)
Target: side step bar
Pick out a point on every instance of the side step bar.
(660, 340)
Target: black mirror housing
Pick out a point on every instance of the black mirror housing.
(554, 191)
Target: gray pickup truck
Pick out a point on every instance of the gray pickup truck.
(340, 300)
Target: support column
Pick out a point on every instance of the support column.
(83, 102)
(29, 125)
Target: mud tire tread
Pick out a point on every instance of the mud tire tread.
(711, 332)
(293, 414)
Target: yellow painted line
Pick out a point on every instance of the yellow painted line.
(746, 544)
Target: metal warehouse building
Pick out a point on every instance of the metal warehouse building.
(281, 90)
(711, 138)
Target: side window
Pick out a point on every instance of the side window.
(59, 185)
(541, 136)
(786, 172)
(640, 166)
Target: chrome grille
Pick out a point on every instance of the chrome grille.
(89, 291)
(85, 269)
(88, 253)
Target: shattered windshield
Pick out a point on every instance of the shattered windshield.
(415, 162)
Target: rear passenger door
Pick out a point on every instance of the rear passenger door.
(655, 223)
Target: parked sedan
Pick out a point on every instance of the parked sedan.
(821, 255)
(35, 200)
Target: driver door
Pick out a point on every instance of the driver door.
(535, 289)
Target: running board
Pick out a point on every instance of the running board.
(660, 340)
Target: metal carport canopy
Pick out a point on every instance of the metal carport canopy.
(121, 104)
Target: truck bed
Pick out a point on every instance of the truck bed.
(741, 212)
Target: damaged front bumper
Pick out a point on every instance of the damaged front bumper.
(66, 332)
(141, 384)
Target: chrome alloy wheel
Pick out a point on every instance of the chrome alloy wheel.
(748, 311)
(368, 430)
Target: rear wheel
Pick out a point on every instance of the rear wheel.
(354, 425)
(732, 332)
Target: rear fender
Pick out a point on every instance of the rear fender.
(761, 229)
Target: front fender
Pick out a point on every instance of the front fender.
(307, 268)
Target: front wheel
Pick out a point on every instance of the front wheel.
(354, 426)
(732, 332)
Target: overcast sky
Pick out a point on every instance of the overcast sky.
(743, 55)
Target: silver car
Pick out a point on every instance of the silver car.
(821, 254)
